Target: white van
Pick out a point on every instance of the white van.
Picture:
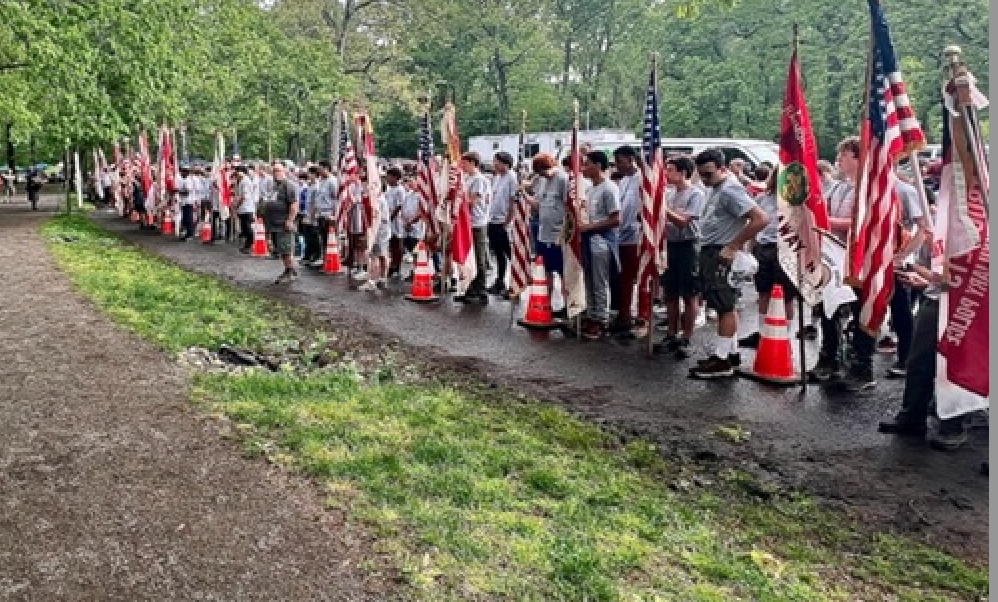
(753, 152)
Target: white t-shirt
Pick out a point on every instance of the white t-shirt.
(410, 211)
(394, 199)
(246, 189)
(478, 184)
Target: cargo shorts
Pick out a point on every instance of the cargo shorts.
(717, 292)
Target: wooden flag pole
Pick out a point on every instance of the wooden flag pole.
(801, 340)
(575, 158)
(653, 288)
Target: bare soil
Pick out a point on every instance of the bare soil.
(112, 487)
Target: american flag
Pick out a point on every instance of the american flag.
(348, 174)
(891, 130)
(426, 179)
(653, 259)
(571, 248)
(519, 268)
(144, 165)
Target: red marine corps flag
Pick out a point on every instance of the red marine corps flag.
(961, 249)
(802, 212)
(461, 248)
(571, 237)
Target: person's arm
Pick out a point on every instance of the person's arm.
(756, 218)
(610, 221)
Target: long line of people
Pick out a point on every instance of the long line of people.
(714, 209)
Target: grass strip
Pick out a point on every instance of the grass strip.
(482, 497)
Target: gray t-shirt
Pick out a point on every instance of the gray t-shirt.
(630, 209)
(768, 235)
(478, 184)
(245, 190)
(552, 207)
(841, 200)
(908, 204)
(688, 202)
(602, 200)
(325, 196)
(724, 212)
(503, 189)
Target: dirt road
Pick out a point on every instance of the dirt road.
(112, 488)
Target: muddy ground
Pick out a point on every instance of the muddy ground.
(816, 440)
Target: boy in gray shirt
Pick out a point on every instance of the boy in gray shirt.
(599, 241)
(730, 219)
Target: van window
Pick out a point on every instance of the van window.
(672, 151)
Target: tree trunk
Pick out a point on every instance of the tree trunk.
(502, 90)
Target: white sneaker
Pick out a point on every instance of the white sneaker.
(359, 274)
(702, 318)
(369, 286)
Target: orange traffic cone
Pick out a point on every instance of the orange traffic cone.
(422, 279)
(537, 315)
(773, 362)
(331, 260)
(259, 240)
(206, 229)
(167, 223)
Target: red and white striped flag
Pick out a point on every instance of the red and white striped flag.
(371, 193)
(461, 248)
(890, 130)
(519, 226)
(653, 257)
(348, 175)
(426, 177)
(145, 167)
(571, 245)
(219, 173)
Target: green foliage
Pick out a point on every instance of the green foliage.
(267, 72)
(484, 498)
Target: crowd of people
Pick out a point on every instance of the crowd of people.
(715, 208)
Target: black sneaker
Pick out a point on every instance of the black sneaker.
(713, 367)
(496, 289)
(751, 341)
(825, 370)
(858, 381)
(902, 427)
(887, 345)
(681, 351)
(810, 333)
(948, 441)
(665, 345)
(287, 276)
(897, 371)
(735, 359)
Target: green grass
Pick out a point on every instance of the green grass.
(480, 496)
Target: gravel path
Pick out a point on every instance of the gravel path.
(112, 488)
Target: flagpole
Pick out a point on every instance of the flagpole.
(574, 160)
(801, 340)
(653, 288)
(961, 78)
(514, 303)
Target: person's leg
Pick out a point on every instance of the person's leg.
(903, 321)
(690, 307)
(187, 220)
(499, 246)
(599, 279)
(920, 379)
(628, 276)
(395, 252)
(481, 239)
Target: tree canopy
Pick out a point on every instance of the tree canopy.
(266, 73)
